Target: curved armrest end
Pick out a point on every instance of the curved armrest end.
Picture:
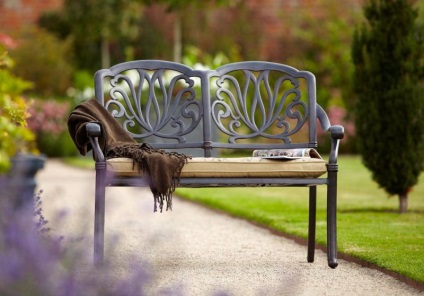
(337, 132)
(94, 131)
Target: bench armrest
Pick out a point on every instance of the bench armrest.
(94, 131)
(337, 133)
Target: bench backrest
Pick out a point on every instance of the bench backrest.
(247, 105)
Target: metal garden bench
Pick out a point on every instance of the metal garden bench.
(243, 106)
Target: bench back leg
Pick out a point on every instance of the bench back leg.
(312, 222)
(99, 213)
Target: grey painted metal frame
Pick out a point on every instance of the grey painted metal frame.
(242, 101)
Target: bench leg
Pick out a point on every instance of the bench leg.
(312, 222)
(99, 214)
(331, 217)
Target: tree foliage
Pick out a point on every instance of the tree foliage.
(173, 5)
(42, 59)
(388, 80)
(94, 26)
(323, 43)
(177, 7)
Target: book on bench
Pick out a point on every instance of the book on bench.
(287, 153)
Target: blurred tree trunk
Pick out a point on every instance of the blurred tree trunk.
(178, 42)
(403, 203)
(105, 53)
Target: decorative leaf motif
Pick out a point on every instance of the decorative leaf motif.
(258, 105)
(161, 103)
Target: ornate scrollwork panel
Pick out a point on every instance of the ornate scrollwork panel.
(155, 103)
(250, 104)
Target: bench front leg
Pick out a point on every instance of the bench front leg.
(337, 133)
(99, 214)
(93, 133)
(332, 216)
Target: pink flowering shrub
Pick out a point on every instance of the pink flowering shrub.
(48, 121)
(7, 41)
(48, 116)
(338, 116)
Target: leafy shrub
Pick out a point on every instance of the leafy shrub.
(15, 136)
(56, 145)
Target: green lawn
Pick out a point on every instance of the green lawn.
(82, 162)
(369, 226)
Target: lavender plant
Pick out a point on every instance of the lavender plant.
(34, 263)
(40, 223)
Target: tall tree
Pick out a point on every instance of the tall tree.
(388, 80)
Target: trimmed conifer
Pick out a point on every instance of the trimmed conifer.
(388, 55)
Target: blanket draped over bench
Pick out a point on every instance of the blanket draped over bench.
(162, 168)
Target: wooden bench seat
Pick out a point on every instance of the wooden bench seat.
(242, 167)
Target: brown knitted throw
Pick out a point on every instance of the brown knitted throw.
(162, 169)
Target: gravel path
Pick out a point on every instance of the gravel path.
(196, 250)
